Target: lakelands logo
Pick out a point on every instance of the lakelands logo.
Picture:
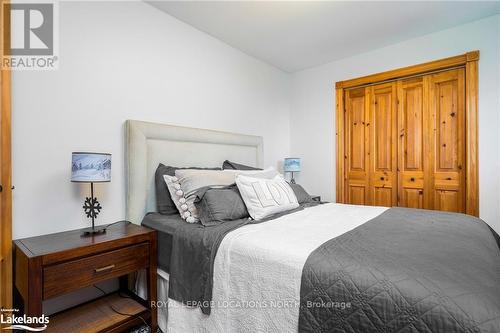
(13, 322)
(33, 37)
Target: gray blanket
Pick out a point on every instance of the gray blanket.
(192, 261)
(406, 270)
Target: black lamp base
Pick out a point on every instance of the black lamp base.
(92, 207)
(92, 231)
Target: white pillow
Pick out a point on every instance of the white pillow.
(265, 197)
(268, 173)
(179, 199)
(192, 180)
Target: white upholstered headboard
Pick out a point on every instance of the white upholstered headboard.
(148, 144)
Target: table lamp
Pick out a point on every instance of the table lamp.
(292, 164)
(91, 168)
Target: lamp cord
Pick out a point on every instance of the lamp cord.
(122, 313)
(109, 225)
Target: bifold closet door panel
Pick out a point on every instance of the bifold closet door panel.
(356, 147)
(447, 114)
(413, 144)
(382, 152)
(405, 143)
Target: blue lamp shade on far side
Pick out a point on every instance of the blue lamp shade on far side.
(292, 164)
(90, 167)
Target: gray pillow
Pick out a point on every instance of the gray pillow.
(301, 194)
(164, 203)
(228, 165)
(218, 205)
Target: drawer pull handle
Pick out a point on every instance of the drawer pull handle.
(105, 268)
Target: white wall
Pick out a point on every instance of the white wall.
(313, 104)
(128, 60)
(498, 94)
(119, 61)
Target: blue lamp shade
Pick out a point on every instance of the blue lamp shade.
(291, 164)
(90, 167)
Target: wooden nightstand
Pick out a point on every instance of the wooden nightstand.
(52, 265)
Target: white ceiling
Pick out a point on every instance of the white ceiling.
(294, 35)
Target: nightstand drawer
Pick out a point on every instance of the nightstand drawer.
(69, 276)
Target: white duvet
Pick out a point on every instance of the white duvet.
(258, 268)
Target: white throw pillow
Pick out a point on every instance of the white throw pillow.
(265, 197)
(192, 180)
(177, 195)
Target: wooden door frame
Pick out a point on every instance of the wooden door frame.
(469, 61)
(5, 168)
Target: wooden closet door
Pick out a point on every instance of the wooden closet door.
(447, 153)
(383, 145)
(413, 144)
(356, 146)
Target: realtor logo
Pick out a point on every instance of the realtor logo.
(33, 36)
(33, 24)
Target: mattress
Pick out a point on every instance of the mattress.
(165, 225)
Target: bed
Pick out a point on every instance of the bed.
(332, 267)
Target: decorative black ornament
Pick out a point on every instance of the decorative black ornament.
(92, 207)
